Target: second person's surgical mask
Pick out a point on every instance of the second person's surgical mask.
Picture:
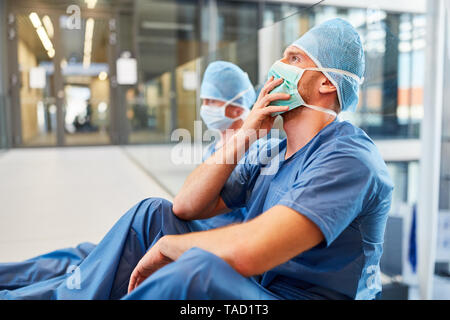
(215, 118)
(292, 75)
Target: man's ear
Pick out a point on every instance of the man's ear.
(326, 86)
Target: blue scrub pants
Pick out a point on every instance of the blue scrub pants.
(105, 272)
(44, 267)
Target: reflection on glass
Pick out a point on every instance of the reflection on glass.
(3, 138)
(149, 110)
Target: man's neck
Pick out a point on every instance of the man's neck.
(301, 125)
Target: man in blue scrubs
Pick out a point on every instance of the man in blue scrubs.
(227, 95)
(314, 226)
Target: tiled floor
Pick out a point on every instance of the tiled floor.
(55, 198)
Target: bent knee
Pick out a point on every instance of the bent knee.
(155, 202)
(149, 207)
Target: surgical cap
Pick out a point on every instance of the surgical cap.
(224, 81)
(336, 44)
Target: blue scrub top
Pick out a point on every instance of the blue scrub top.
(340, 182)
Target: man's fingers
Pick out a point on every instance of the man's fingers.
(134, 283)
(276, 96)
(270, 85)
(134, 280)
(263, 91)
(272, 109)
(131, 285)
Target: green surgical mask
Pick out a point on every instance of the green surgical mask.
(291, 76)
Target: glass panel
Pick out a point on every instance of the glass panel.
(37, 104)
(3, 142)
(85, 71)
(166, 37)
(149, 110)
(391, 98)
(444, 194)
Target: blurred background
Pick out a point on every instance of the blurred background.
(91, 91)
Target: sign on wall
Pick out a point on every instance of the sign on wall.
(37, 78)
(126, 70)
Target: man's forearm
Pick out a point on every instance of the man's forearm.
(201, 189)
(251, 247)
(216, 241)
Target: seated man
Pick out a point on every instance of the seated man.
(313, 229)
(227, 95)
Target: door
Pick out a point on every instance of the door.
(60, 77)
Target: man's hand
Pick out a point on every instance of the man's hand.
(260, 118)
(152, 261)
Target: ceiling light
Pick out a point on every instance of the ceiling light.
(42, 34)
(44, 38)
(91, 3)
(51, 53)
(102, 75)
(48, 25)
(88, 35)
(35, 20)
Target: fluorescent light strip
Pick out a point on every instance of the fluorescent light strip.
(89, 33)
(35, 20)
(44, 38)
(51, 53)
(89, 28)
(48, 25)
(42, 34)
(86, 61)
(91, 3)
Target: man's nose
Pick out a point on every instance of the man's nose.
(285, 60)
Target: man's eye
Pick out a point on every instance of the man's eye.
(295, 59)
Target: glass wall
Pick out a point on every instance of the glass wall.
(3, 77)
(37, 97)
(253, 35)
(166, 35)
(60, 72)
(85, 73)
(391, 98)
(444, 196)
(3, 139)
(174, 40)
(391, 103)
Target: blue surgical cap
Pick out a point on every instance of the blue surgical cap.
(225, 81)
(336, 44)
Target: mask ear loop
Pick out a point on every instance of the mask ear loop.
(347, 73)
(240, 94)
(321, 109)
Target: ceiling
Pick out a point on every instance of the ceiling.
(72, 41)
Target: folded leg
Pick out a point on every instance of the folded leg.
(50, 265)
(105, 272)
(199, 275)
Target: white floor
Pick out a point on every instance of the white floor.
(58, 197)
(159, 162)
